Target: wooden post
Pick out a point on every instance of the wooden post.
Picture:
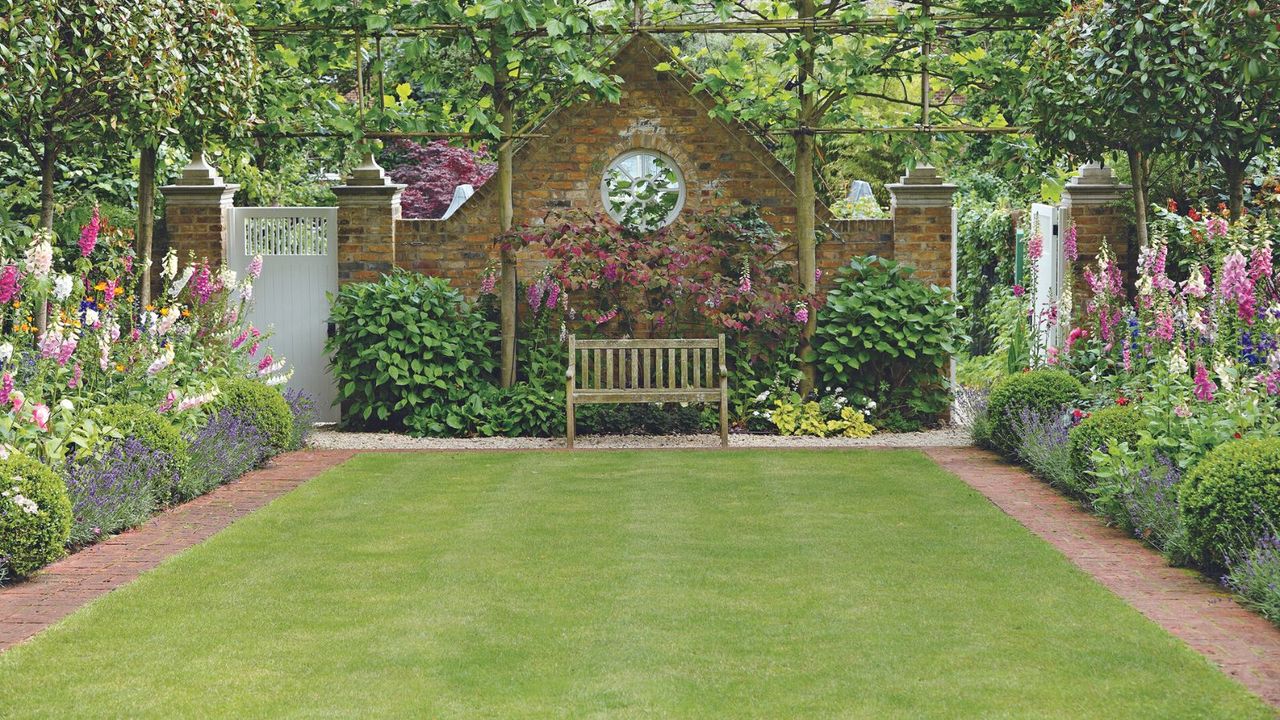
(806, 197)
(724, 396)
(507, 301)
(568, 392)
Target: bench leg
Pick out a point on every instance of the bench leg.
(568, 419)
(724, 412)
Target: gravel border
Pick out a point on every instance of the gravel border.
(330, 439)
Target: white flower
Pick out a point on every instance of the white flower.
(170, 268)
(27, 504)
(90, 317)
(228, 277)
(871, 404)
(67, 405)
(40, 255)
(762, 396)
(62, 287)
(181, 282)
(6, 352)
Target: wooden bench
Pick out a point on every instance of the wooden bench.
(647, 371)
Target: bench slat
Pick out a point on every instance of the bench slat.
(648, 343)
(651, 396)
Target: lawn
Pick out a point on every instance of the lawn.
(619, 584)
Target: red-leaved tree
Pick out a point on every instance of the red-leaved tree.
(432, 172)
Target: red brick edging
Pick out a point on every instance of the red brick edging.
(1243, 644)
(30, 606)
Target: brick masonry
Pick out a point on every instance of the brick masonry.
(1183, 602)
(29, 606)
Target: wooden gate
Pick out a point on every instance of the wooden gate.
(299, 249)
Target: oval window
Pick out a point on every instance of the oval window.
(642, 190)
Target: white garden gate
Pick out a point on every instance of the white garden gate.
(1049, 223)
(299, 248)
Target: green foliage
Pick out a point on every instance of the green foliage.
(1110, 425)
(35, 515)
(408, 350)
(1231, 499)
(984, 255)
(637, 419)
(261, 406)
(152, 430)
(810, 419)
(1039, 391)
(222, 71)
(887, 337)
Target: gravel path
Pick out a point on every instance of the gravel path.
(335, 440)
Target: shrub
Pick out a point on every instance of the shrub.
(263, 407)
(155, 433)
(887, 337)
(1231, 498)
(432, 171)
(637, 419)
(409, 347)
(1041, 391)
(118, 489)
(35, 515)
(1116, 423)
(227, 447)
(811, 419)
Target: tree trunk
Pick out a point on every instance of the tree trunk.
(146, 218)
(48, 166)
(505, 214)
(1234, 169)
(806, 198)
(1138, 171)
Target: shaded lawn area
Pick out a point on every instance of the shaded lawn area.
(622, 584)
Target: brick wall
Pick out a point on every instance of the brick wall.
(850, 239)
(722, 164)
(922, 239)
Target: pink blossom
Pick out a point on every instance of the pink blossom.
(488, 284)
(1182, 411)
(1128, 358)
(89, 234)
(76, 374)
(1237, 286)
(1019, 291)
(1052, 355)
(1069, 244)
(553, 295)
(128, 263)
(266, 362)
(169, 400)
(607, 317)
(6, 388)
(8, 283)
(1215, 226)
(255, 267)
(235, 344)
(1260, 264)
(40, 416)
(802, 313)
(1075, 336)
(535, 293)
(1164, 326)
(202, 285)
(1035, 247)
(1205, 387)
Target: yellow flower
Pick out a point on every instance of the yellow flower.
(186, 312)
(119, 367)
(102, 285)
(118, 291)
(163, 311)
(17, 303)
(150, 307)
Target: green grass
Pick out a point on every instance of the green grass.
(619, 584)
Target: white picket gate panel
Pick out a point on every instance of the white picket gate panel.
(1049, 222)
(299, 249)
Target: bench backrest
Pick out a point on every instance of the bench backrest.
(637, 365)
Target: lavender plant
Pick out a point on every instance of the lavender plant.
(303, 408)
(117, 489)
(227, 447)
(1042, 442)
(1255, 576)
(1151, 505)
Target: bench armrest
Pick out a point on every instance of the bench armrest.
(724, 371)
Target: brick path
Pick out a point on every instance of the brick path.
(30, 606)
(1242, 643)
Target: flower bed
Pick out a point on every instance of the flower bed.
(129, 406)
(1172, 436)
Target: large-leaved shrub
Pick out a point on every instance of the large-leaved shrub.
(887, 337)
(35, 515)
(407, 350)
(1231, 498)
(1040, 391)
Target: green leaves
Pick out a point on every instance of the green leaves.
(887, 337)
(409, 350)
